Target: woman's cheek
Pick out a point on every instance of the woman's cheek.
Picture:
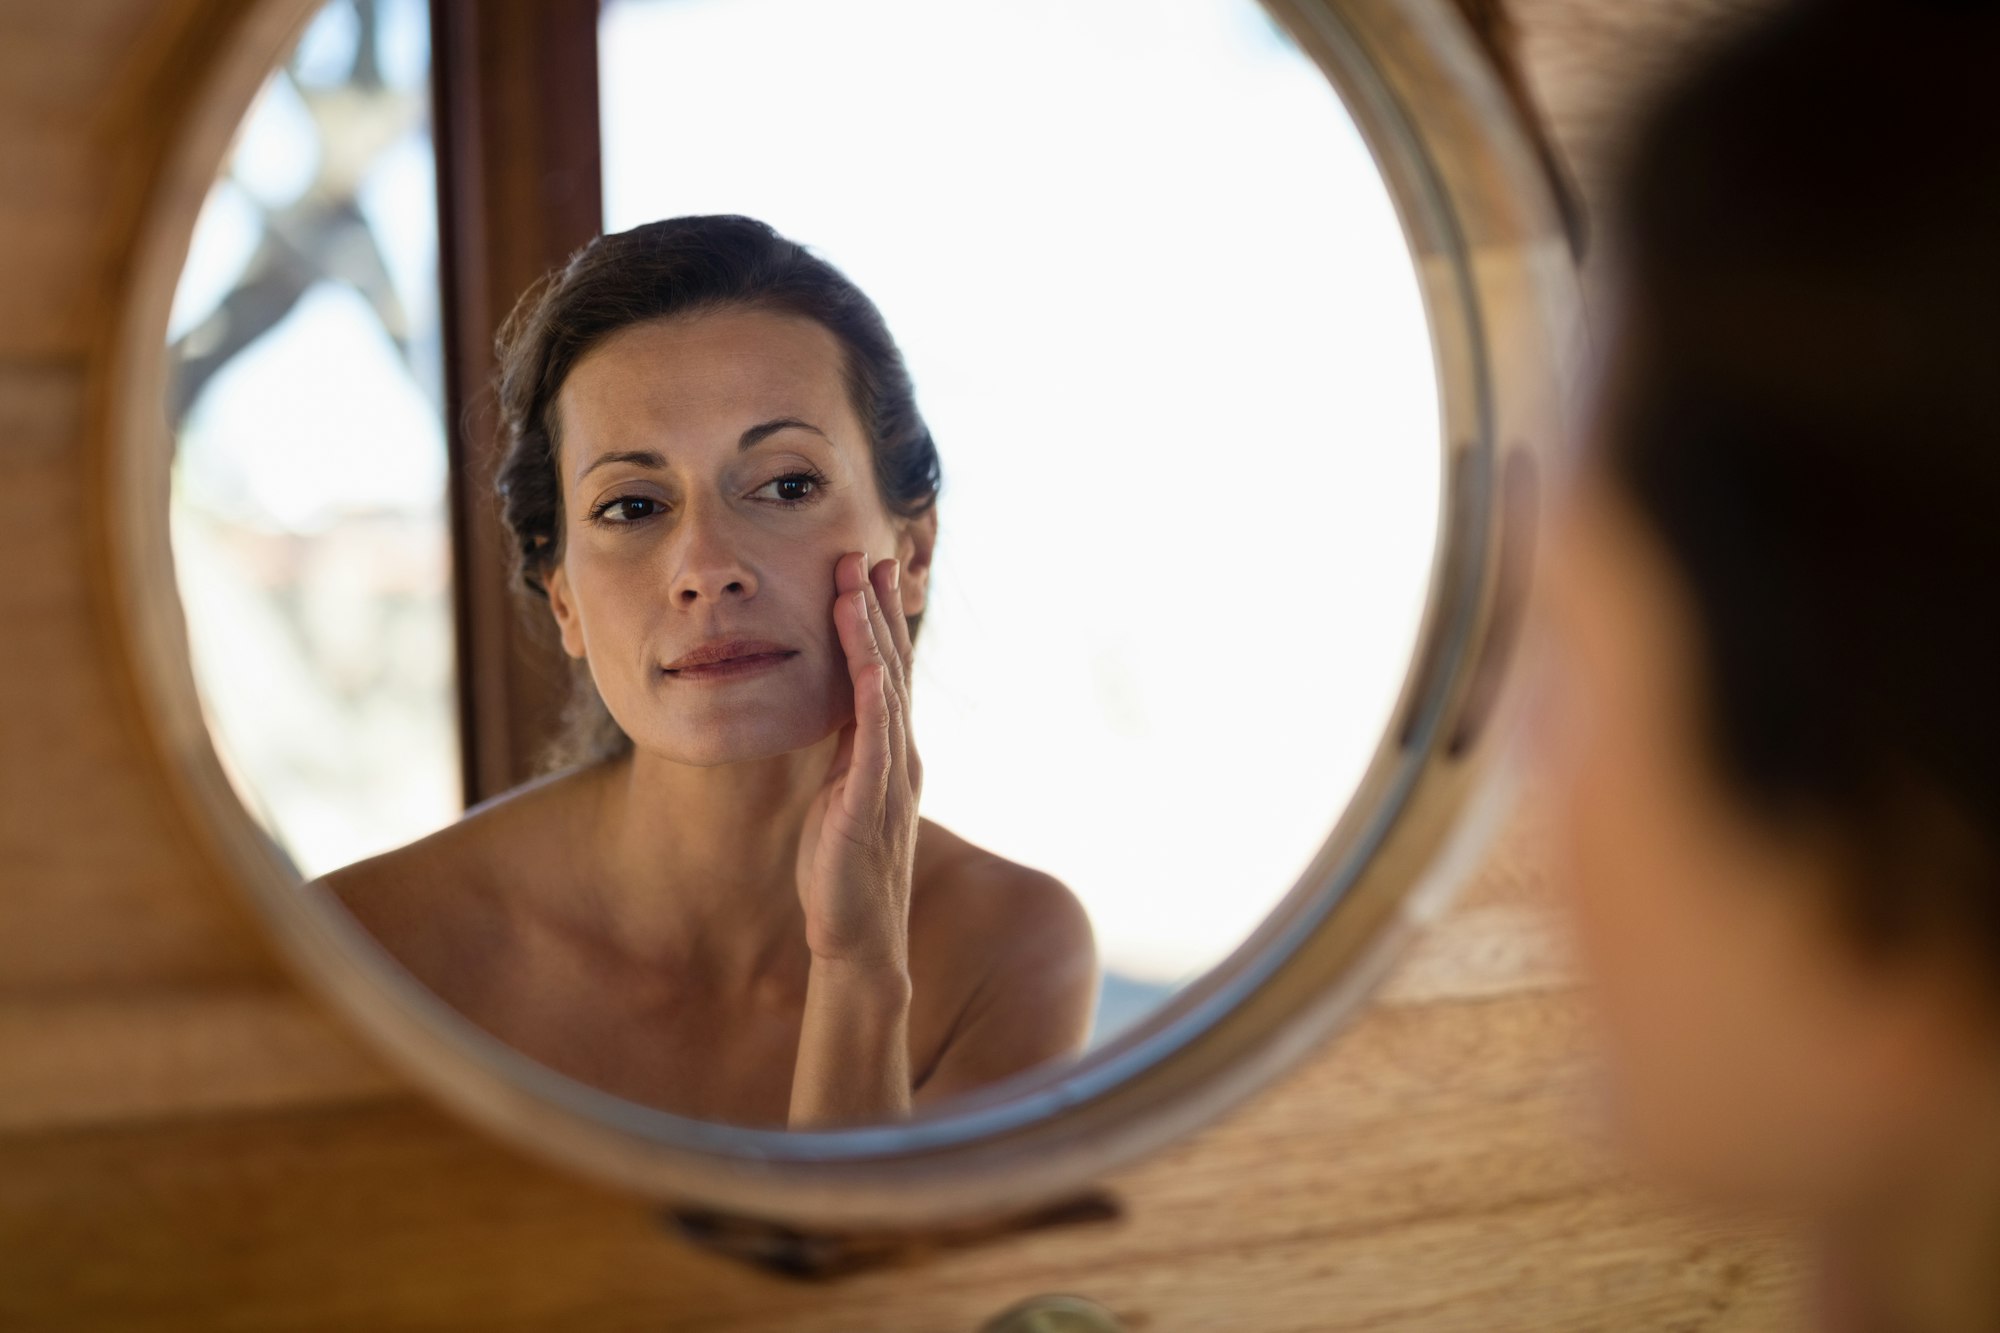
(834, 700)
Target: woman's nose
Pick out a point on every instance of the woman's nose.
(709, 563)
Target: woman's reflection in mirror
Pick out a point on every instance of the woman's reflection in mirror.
(1774, 750)
(720, 898)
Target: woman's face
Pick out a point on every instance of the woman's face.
(713, 472)
(1755, 1055)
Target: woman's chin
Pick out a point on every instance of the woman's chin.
(710, 742)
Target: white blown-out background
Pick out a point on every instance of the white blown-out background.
(1164, 326)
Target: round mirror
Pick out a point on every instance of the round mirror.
(1181, 364)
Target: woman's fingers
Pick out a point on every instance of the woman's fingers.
(885, 580)
(899, 699)
(886, 577)
(879, 628)
(850, 572)
(873, 747)
(885, 638)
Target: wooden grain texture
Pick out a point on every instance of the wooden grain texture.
(111, 1056)
(185, 1143)
(1417, 1177)
(81, 86)
(103, 883)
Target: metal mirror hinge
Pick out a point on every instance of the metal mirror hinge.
(821, 1255)
(1054, 1314)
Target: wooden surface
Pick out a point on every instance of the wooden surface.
(1426, 1173)
(186, 1143)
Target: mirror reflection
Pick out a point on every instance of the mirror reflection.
(982, 487)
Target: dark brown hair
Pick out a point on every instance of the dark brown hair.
(676, 267)
(1807, 411)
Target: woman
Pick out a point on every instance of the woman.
(1775, 744)
(723, 902)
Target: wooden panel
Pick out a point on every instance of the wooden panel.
(49, 278)
(78, 85)
(1423, 1175)
(104, 884)
(110, 1056)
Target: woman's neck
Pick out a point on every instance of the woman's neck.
(1925, 1256)
(695, 867)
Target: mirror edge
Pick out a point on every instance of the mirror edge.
(1503, 251)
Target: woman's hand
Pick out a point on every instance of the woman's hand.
(857, 855)
(858, 849)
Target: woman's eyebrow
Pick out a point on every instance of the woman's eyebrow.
(756, 434)
(643, 457)
(650, 458)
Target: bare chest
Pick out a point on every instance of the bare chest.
(668, 1043)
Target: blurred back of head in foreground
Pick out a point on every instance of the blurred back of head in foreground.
(1774, 596)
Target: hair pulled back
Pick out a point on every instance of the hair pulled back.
(1806, 408)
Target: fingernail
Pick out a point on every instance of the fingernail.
(895, 575)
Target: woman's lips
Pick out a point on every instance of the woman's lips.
(727, 658)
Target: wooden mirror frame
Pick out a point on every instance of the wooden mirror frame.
(1487, 235)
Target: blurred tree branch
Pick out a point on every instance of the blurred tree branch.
(323, 235)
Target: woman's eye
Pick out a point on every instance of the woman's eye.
(620, 509)
(792, 488)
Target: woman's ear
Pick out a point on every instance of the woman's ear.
(568, 624)
(913, 551)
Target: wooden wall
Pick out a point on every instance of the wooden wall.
(186, 1143)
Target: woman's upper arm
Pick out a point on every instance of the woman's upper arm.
(1037, 994)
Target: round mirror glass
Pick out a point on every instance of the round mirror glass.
(1164, 330)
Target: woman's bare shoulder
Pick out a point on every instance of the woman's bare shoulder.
(966, 891)
(427, 894)
(1010, 954)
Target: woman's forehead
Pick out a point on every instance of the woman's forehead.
(696, 382)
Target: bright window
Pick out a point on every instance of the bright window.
(308, 502)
